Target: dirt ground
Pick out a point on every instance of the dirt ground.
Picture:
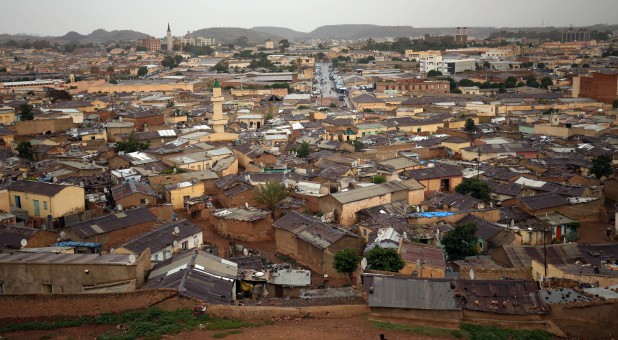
(355, 328)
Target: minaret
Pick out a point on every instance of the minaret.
(217, 121)
(170, 40)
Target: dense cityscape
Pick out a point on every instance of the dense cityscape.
(354, 182)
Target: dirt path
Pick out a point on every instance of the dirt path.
(355, 328)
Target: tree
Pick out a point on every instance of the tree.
(303, 150)
(532, 82)
(222, 67)
(241, 41)
(131, 145)
(602, 166)
(169, 62)
(470, 126)
(434, 73)
(142, 71)
(466, 82)
(270, 194)
(25, 150)
(378, 179)
(346, 261)
(541, 66)
(475, 188)
(384, 259)
(284, 45)
(170, 103)
(545, 82)
(358, 145)
(25, 112)
(58, 95)
(460, 242)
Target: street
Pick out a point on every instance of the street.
(322, 81)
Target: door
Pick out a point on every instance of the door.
(18, 201)
(37, 208)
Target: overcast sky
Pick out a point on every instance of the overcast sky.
(46, 17)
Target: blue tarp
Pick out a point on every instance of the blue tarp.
(434, 214)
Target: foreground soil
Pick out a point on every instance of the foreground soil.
(355, 328)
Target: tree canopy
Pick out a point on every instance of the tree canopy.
(142, 71)
(269, 194)
(284, 44)
(303, 150)
(346, 261)
(460, 241)
(131, 145)
(25, 150)
(384, 259)
(434, 73)
(58, 95)
(470, 126)
(602, 166)
(475, 188)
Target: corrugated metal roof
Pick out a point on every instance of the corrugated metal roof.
(398, 292)
(112, 222)
(370, 191)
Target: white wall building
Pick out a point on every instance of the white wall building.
(446, 64)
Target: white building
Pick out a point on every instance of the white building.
(446, 64)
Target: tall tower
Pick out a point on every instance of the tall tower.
(170, 40)
(217, 121)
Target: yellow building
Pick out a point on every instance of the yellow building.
(46, 199)
(7, 115)
(179, 193)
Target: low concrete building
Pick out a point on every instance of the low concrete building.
(179, 193)
(52, 273)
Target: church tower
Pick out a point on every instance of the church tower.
(217, 121)
(170, 40)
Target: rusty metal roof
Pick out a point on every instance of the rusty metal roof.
(500, 296)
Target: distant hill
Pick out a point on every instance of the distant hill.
(101, 36)
(286, 33)
(227, 35)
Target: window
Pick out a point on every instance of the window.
(1, 287)
(185, 245)
(142, 201)
(47, 288)
(44, 205)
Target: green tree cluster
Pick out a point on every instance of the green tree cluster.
(346, 261)
(602, 166)
(475, 188)
(131, 145)
(384, 259)
(25, 150)
(460, 241)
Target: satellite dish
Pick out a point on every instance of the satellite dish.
(246, 205)
(166, 254)
(364, 263)
(55, 179)
(431, 165)
(245, 251)
(63, 234)
(405, 235)
(175, 244)
(471, 274)
(258, 274)
(418, 263)
(112, 251)
(119, 207)
(132, 259)
(325, 275)
(24, 242)
(176, 230)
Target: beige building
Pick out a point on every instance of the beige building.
(46, 199)
(7, 115)
(178, 193)
(344, 205)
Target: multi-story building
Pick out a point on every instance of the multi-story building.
(151, 44)
(575, 35)
(414, 86)
(447, 64)
(600, 86)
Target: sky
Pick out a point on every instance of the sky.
(55, 18)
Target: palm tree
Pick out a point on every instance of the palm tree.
(270, 194)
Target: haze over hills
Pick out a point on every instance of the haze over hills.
(255, 35)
